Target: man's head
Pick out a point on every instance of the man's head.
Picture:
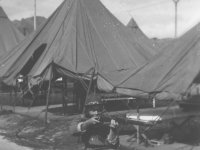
(93, 105)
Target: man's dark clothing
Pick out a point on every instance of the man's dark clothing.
(95, 137)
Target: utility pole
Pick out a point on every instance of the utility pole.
(34, 14)
(176, 3)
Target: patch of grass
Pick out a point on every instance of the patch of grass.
(31, 132)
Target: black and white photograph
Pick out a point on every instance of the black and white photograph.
(99, 75)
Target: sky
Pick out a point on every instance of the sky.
(156, 18)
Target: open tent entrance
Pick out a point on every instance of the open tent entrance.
(31, 62)
(56, 85)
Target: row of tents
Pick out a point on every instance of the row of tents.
(82, 35)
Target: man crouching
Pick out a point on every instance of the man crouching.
(94, 134)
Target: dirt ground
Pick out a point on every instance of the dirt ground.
(31, 132)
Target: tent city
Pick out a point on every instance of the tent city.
(107, 84)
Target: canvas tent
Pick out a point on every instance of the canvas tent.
(158, 44)
(173, 72)
(79, 35)
(135, 29)
(10, 36)
(141, 37)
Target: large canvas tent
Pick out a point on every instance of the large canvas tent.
(158, 44)
(142, 38)
(10, 36)
(173, 72)
(79, 35)
(135, 29)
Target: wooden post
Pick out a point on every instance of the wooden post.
(63, 96)
(10, 97)
(47, 101)
(35, 16)
(95, 89)
(138, 127)
(15, 99)
(154, 103)
(2, 90)
(53, 91)
(90, 84)
(66, 100)
(23, 96)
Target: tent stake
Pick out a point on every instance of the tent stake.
(47, 101)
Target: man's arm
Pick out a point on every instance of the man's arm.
(75, 127)
(81, 124)
(113, 138)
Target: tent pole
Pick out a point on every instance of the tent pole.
(23, 96)
(15, 98)
(35, 15)
(63, 96)
(53, 91)
(154, 102)
(66, 98)
(138, 127)
(47, 101)
(10, 97)
(2, 90)
(89, 88)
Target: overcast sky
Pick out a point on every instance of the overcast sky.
(154, 17)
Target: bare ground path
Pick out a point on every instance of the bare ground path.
(31, 132)
(8, 145)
